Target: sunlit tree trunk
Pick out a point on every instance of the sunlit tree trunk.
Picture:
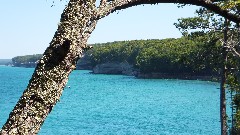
(223, 114)
(51, 74)
(52, 71)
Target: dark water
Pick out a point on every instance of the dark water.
(122, 105)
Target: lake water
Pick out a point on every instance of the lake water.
(121, 105)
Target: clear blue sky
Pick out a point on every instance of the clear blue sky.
(27, 26)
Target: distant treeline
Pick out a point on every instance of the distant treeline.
(26, 61)
(5, 62)
(188, 55)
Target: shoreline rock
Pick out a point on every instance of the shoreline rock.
(113, 68)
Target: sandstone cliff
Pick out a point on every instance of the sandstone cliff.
(114, 68)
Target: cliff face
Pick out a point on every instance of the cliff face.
(114, 68)
(84, 64)
(105, 68)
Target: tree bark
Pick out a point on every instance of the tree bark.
(209, 4)
(223, 114)
(51, 74)
(52, 71)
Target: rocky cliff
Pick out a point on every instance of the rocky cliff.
(114, 68)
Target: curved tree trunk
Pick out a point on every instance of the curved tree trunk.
(52, 71)
(51, 74)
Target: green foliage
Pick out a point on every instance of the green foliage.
(236, 129)
(184, 55)
(233, 5)
(115, 51)
(233, 84)
(190, 55)
(165, 56)
(206, 23)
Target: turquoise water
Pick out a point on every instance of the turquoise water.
(121, 105)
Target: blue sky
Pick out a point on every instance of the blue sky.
(27, 26)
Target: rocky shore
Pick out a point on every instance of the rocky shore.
(124, 68)
(113, 68)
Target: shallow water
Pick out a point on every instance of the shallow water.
(115, 104)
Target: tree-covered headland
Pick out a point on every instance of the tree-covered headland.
(189, 55)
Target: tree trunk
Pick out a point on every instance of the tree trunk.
(223, 114)
(52, 71)
(51, 74)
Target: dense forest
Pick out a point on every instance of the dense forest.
(187, 55)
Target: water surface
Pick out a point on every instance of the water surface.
(122, 105)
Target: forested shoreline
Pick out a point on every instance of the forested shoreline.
(186, 56)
